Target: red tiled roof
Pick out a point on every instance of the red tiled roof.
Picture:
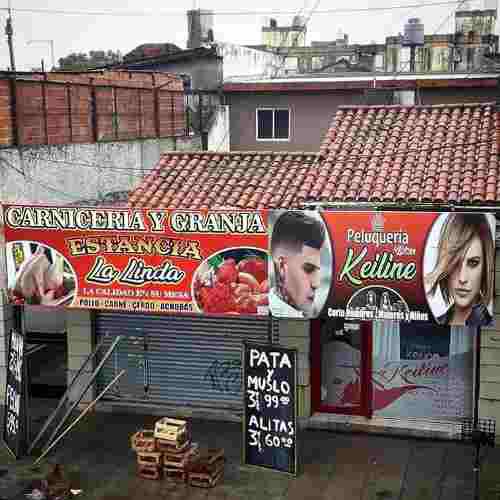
(227, 180)
(440, 154)
(436, 154)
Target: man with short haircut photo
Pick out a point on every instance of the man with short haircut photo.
(296, 243)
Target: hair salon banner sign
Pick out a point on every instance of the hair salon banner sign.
(137, 260)
(403, 266)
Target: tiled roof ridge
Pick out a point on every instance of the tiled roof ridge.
(240, 153)
(238, 179)
(417, 106)
(441, 153)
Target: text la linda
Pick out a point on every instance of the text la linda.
(137, 273)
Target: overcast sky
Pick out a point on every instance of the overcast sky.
(81, 33)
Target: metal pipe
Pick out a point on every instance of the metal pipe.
(65, 396)
(89, 383)
(9, 31)
(84, 412)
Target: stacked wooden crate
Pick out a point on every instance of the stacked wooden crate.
(149, 459)
(207, 468)
(173, 439)
(168, 451)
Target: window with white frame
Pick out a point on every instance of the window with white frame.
(273, 124)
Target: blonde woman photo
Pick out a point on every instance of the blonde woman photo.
(464, 270)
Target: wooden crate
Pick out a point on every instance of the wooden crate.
(173, 446)
(208, 456)
(149, 471)
(200, 466)
(170, 429)
(143, 441)
(203, 480)
(150, 458)
(181, 460)
(175, 474)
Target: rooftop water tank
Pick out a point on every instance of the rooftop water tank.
(414, 33)
(298, 22)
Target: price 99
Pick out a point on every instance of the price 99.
(271, 401)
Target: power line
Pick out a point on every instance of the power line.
(304, 27)
(315, 163)
(169, 13)
(243, 153)
(35, 182)
(435, 31)
(92, 165)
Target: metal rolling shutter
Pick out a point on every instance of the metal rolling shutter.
(189, 361)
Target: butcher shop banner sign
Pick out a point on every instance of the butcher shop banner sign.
(170, 261)
(402, 266)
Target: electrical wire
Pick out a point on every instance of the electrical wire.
(163, 12)
(316, 162)
(435, 32)
(283, 60)
(91, 165)
(35, 182)
(243, 153)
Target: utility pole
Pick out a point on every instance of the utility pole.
(9, 31)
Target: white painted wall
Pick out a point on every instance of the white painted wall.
(74, 172)
(218, 136)
(245, 62)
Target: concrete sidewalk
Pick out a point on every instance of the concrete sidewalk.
(99, 461)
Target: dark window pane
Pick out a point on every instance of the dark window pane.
(264, 124)
(423, 341)
(281, 123)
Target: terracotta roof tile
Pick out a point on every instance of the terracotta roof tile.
(444, 153)
(230, 180)
(418, 153)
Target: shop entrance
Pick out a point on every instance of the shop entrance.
(341, 368)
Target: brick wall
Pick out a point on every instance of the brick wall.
(84, 111)
(133, 79)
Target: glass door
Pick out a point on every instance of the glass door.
(341, 367)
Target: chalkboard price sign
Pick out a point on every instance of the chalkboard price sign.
(13, 427)
(270, 412)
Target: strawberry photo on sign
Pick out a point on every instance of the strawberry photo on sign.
(232, 281)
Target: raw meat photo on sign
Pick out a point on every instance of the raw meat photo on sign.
(38, 275)
(300, 263)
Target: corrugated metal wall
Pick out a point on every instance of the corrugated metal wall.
(178, 360)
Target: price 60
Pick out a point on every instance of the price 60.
(272, 441)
